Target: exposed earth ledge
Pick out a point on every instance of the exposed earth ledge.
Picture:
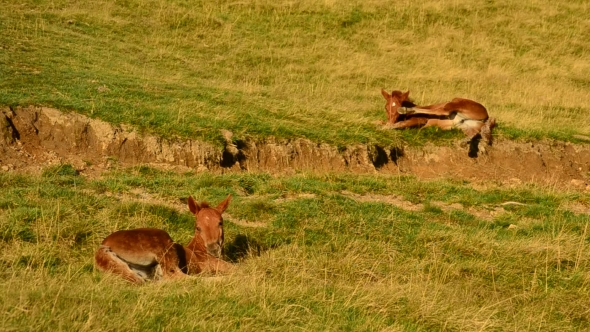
(32, 138)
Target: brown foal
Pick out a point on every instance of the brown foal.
(143, 254)
(469, 116)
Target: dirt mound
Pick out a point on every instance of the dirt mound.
(547, 162)
(34, 137)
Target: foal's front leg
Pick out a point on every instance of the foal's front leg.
(173, 262)
(412, 122)
(216, 265)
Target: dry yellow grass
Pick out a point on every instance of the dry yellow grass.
(324, 261)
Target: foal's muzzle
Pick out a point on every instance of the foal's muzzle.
(214, 249)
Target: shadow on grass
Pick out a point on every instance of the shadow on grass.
(241, 247)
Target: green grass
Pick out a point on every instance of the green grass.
(335, 251)
(323, 260)
(309, 69)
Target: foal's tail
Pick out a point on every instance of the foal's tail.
(486, 130)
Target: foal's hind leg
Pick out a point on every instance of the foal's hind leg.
(106, 260)
(471, 129)
(442, 124)
(486, 130)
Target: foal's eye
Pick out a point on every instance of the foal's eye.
(198, 229)
(221, 223)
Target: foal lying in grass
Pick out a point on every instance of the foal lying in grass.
(143, 254)
(469, 116)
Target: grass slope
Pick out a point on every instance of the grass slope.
(324, 261)
(298, 69)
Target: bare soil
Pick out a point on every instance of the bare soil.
(32, 138)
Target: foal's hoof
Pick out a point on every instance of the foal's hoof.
(383, 124)
(465, 143)
(483, 148)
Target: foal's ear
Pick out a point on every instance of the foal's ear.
(192, 205)
(223, 205)
(385, 94)
(405, 95)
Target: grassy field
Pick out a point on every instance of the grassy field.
(309, 69)
(328, 253)
(314, 252)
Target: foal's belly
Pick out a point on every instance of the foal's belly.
(462, 122)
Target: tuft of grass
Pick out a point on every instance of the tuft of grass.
(61, 170)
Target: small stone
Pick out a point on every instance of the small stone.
(578, 183)
(232, 149)
(512, 226)
(227, 135)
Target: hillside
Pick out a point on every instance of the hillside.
(297, 69)
(113, 112)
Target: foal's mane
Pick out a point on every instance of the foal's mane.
(396, 93)
(204, 205)
(406, 103)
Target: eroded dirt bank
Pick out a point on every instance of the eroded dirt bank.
(34, 137)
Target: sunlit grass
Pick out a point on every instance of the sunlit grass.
(319, 258)
(313, 252)
(305, 69)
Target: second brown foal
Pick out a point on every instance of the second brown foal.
(465, 114)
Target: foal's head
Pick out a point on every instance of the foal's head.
(209, 224)
(395, 100)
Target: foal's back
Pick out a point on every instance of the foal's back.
(142, 254)
(141, 246)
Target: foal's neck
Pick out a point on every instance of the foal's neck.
(198, 260)
(197, 245)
